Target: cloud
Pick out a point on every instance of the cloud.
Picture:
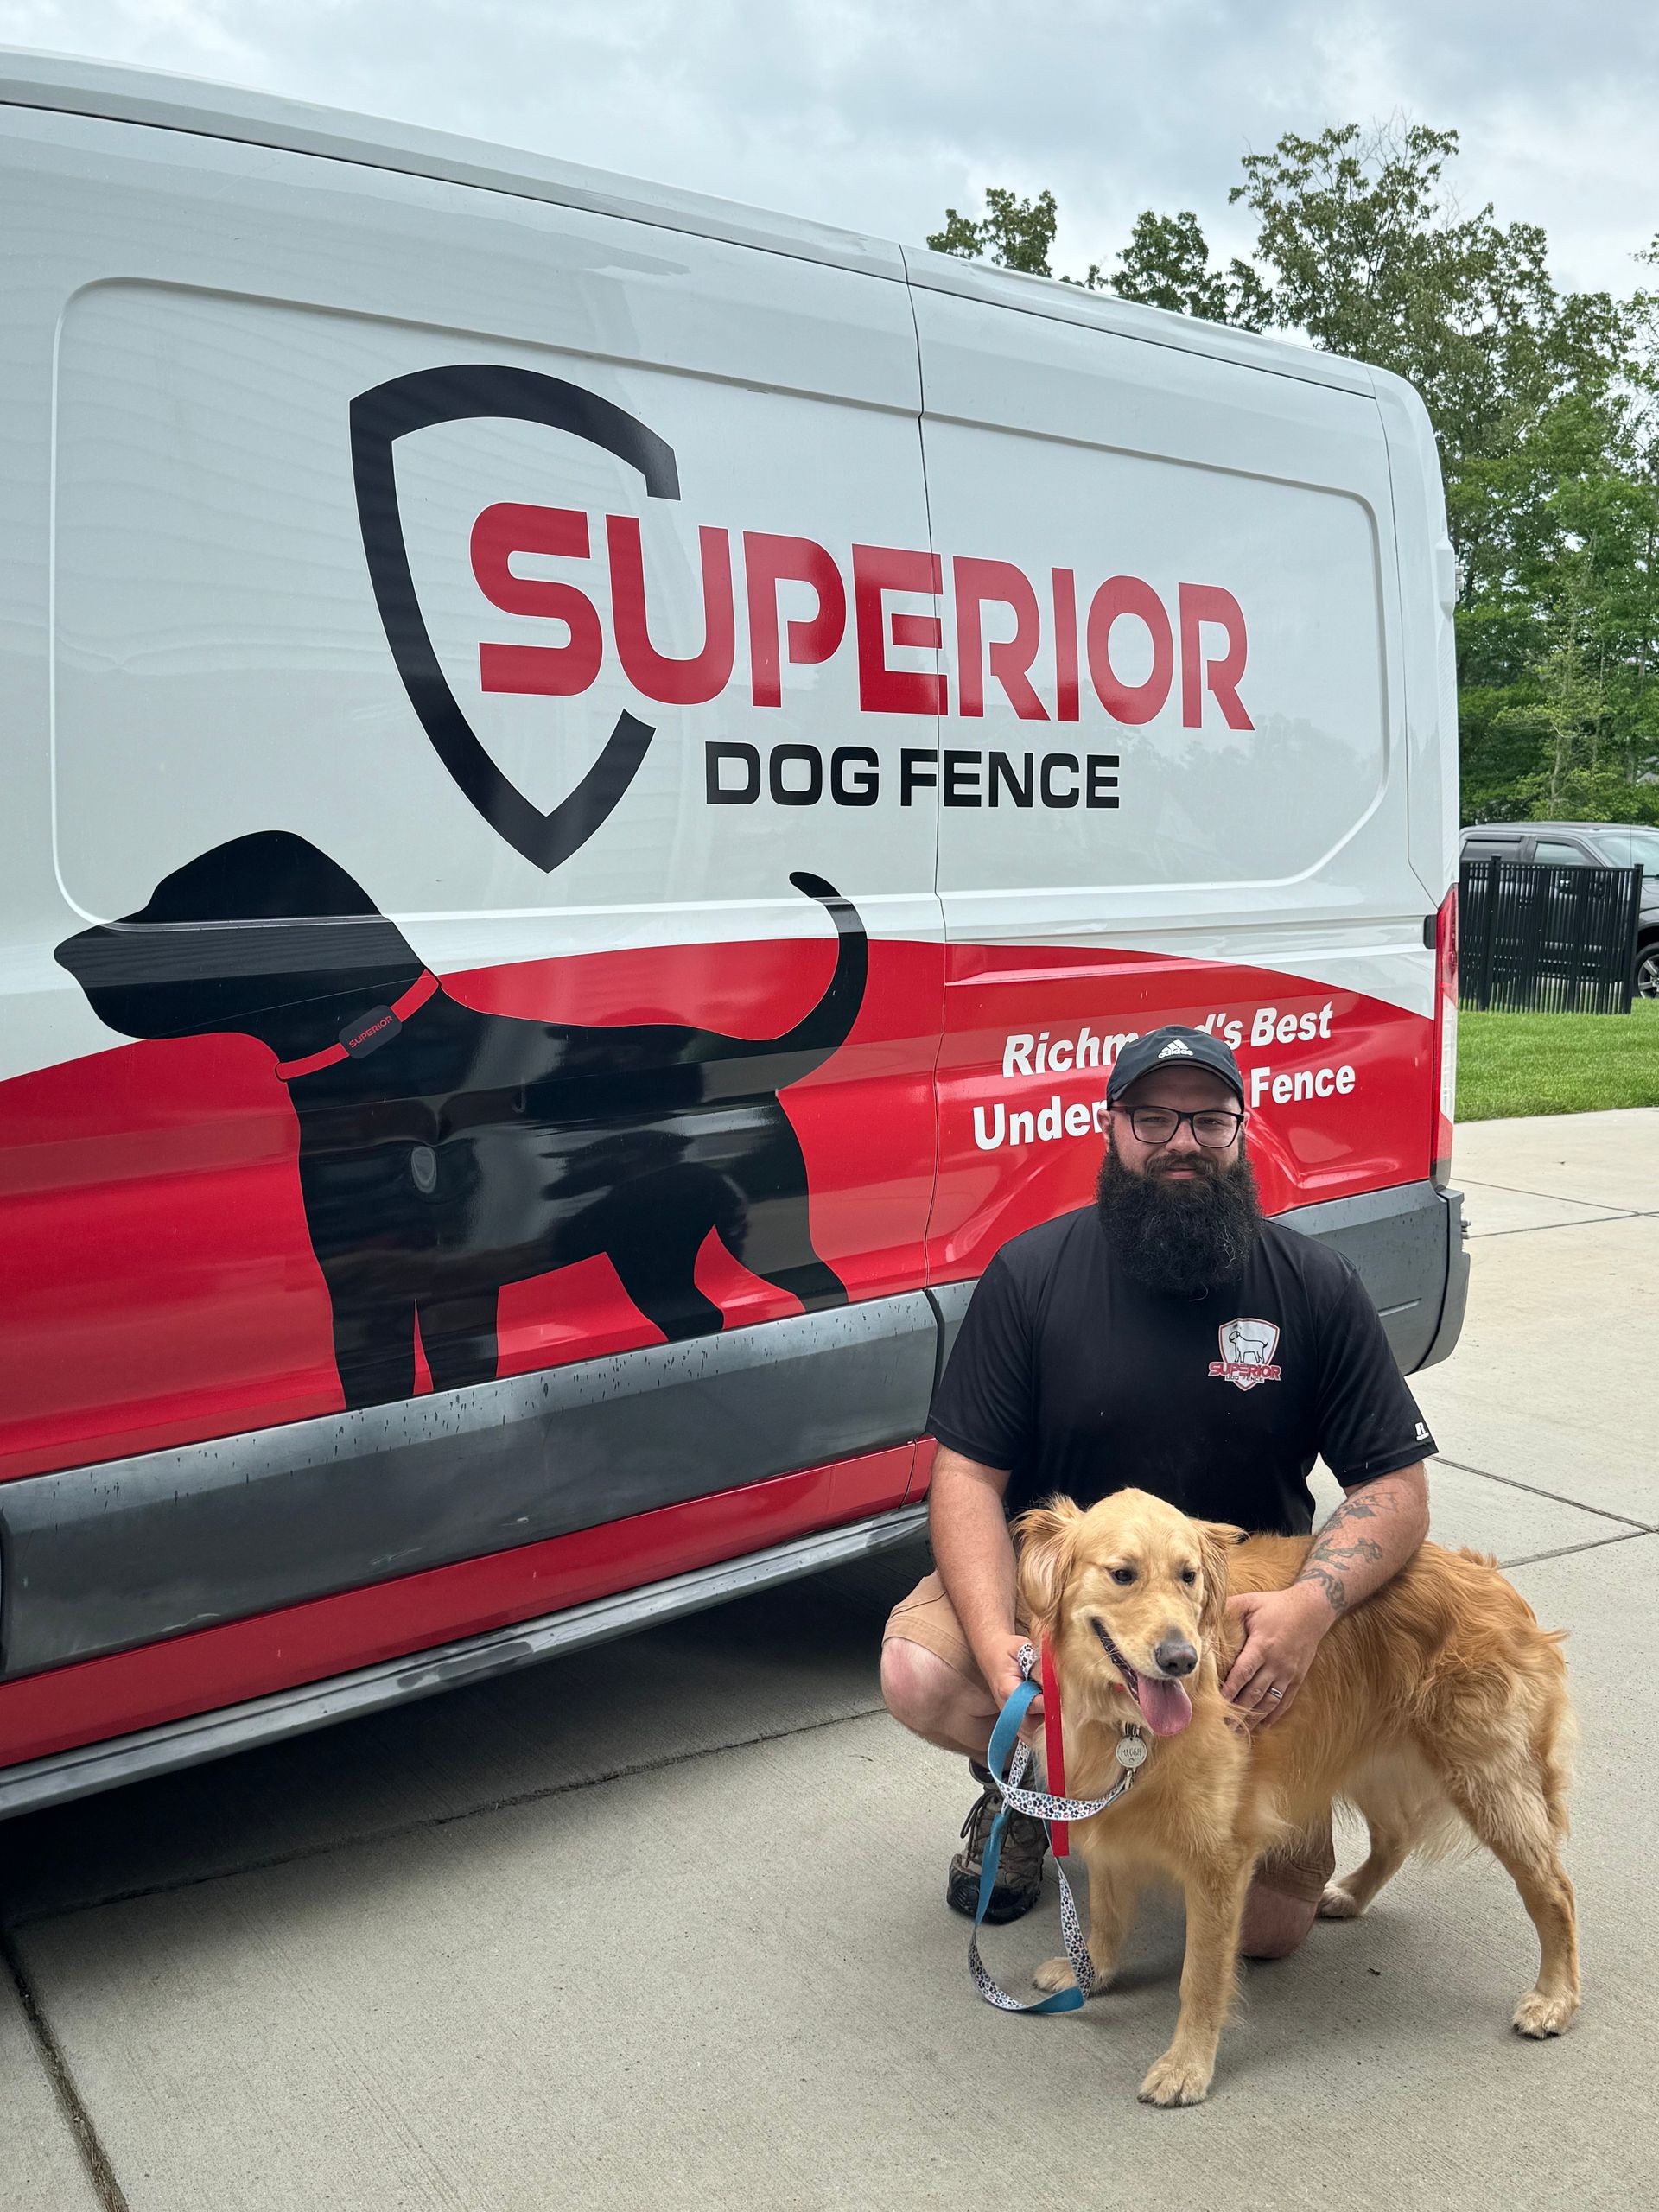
(877, 115)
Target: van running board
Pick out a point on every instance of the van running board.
(90, 1767)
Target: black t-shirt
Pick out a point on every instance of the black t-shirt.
(1081, 1380)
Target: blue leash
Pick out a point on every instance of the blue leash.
(1006, 1751)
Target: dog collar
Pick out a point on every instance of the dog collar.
(365, 1033)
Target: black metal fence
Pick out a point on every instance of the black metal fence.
(1541, 939)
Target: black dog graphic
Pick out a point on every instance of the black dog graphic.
(444, 1152)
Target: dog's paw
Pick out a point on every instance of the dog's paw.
(1176, 2081)
(1539, 2017)
(1336, 1904)
(1054, 1974)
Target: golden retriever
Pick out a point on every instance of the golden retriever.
(1437, 1706)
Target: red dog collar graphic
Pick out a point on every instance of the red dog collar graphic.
(365, 1033)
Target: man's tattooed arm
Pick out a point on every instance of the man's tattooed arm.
(1369, 1538)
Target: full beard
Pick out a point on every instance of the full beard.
(1184, 1236)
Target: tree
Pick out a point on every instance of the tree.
(1539, 400)
(1368, 256)
(1013, 233)
(1545, 404)
(1562, 726)
(1166, 264)
(1559, 588)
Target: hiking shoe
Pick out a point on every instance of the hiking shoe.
(1020, 1871)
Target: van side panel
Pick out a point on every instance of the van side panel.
(1187, 797)
(419, 995)
(1428, 591)
(467, 1082)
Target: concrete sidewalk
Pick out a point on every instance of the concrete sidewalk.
(663, 1923)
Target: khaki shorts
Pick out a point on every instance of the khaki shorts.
(1299, 1869)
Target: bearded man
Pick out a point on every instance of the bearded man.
(1167, 1338)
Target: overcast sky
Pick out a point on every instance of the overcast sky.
(877, 113)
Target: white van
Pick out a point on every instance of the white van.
(594, 779)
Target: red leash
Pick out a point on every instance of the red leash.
(1054, 1748)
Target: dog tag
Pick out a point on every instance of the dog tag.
(1131, 1752)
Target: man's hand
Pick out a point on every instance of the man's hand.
(1002, 1674)
(1282, 1630)
(1376, 1529)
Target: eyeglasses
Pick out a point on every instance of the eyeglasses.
(1215, 1127)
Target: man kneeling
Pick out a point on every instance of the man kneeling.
(1171, 1339)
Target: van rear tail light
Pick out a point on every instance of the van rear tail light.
(1445, 1037)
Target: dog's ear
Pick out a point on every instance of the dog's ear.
(1043, 1539)
(1216, 1540)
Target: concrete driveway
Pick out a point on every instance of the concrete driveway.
(664, 1924)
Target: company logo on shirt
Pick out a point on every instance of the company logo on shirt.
(1247, 1350)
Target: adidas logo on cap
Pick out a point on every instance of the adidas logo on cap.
(1175, 1050)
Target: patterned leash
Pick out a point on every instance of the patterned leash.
(1004, 1745)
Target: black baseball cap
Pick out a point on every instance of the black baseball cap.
(1173, 1047)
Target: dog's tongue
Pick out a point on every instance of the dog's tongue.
(1165, 1707)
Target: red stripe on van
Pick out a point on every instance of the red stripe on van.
(1337, 1083)
(216, 1667)
(161, 1286)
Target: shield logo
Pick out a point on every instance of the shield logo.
(1247, 1350)
(419, 401)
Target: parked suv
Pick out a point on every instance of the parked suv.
(1586, 844)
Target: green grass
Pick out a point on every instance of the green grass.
(1556, 1062)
